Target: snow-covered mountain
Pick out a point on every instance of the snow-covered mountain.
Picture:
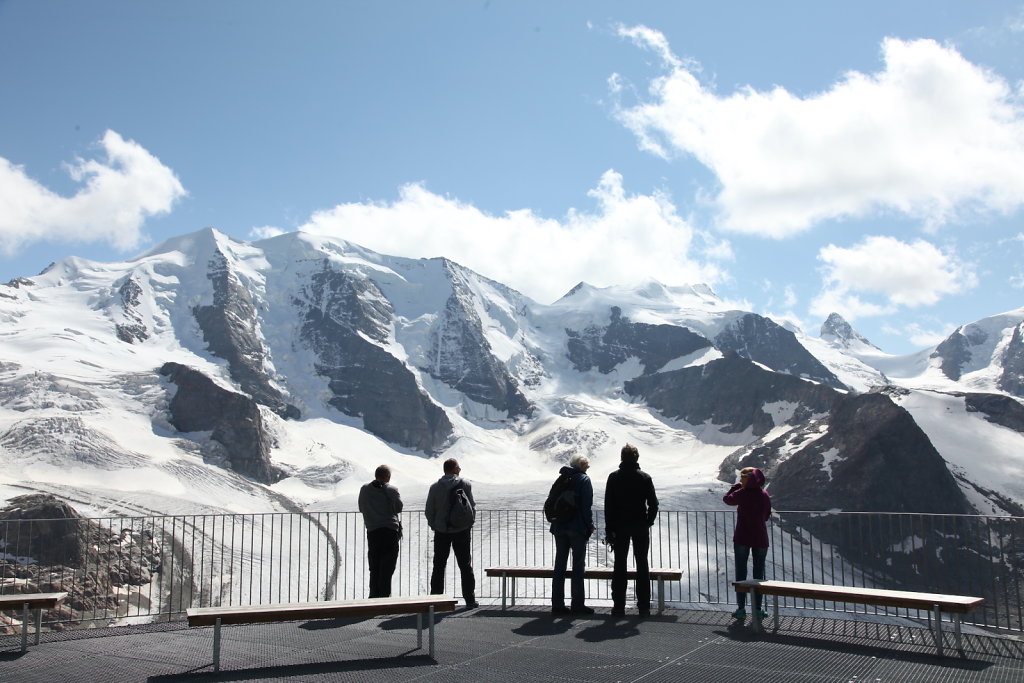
(214, 374)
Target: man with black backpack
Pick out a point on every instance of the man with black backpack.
(450, 512)
(569, 508)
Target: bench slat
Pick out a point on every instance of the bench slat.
(297, 611)
(34, 600)
(960, 604)
(588, 573)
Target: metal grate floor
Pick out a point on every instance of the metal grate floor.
(526, 642)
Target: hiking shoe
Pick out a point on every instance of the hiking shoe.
(560, 609)
(618, 611)
(472, 604)
(582, 609)
(740, 613)
(762, 614)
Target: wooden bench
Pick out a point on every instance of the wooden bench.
(333, 609)
(506, 573)
(28, 602)
(936, 604)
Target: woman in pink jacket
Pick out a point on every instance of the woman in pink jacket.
(753, 508)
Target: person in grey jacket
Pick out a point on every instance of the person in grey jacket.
(447, 538)
(381, 505)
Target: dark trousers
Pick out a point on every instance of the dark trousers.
(564, 543)
(443, 545)
(641, 541)
(382, 556)
(742, 553)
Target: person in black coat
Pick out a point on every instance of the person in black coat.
(630, 508)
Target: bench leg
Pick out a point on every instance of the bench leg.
(216, 646)
(661, 594)
(504, 586)
(775, 613)
(956, 626)
(513, 591)
(419, 630)
(39, 623)
(938, 629)
(431, 636)
(756, 621)
(24, 627)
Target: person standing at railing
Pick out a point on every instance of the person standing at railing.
(572, 535)
(753, 508)
(630, 508)
(381, 505)
(450, 510)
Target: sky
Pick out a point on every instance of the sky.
(798, 157)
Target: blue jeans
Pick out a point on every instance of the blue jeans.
(742, 553)
(577, 543)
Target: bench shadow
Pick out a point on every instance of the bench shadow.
(408, 621)
(739, 633)
(286, 671)
(319, 624)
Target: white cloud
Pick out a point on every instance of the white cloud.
(264, 232)
(116, 197)
(899, 274)
(931, 136)
(918, 335)
(629, 238)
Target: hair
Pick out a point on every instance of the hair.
(579, 461)
(382, 473)
(747, 470)
(450, 465)
(630, 453)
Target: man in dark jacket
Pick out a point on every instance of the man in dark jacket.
(630, 508)
(448, 538)
(381, 506)
(572, 536)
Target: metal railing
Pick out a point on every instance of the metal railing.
(140, 569)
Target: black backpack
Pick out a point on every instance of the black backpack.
(560, 506)
(461, 514)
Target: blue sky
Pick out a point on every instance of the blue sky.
(800, 157)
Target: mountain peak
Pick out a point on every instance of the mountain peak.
(837, 332)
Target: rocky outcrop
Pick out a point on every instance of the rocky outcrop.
(997, 409)
(132, 329)
(732, 394)
(463, 359)
(233, 420)
(768, 343)
(868, 454)
(342, 318)
(49, 547)
(1011, 380)
(654, 345)
(954, 352)
(229, 329)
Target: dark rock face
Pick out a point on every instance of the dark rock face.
(998, 409)
(49, 547)
(133, 329)
(654, 345)
(463, 358)
(867, 455)
(731, 393)
(955, 351)
(759, 339)
(367, 381)
(228, 329)
(233, 419)
(1012, 379)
